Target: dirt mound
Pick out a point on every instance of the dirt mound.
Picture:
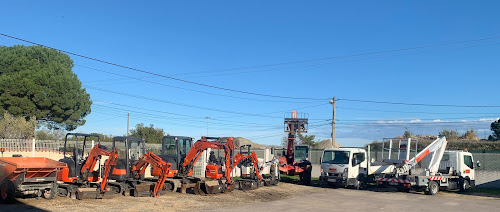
(326, 144)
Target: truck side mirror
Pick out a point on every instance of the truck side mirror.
(478, 164)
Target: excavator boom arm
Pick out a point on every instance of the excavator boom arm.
(153, 160)
(92, 159)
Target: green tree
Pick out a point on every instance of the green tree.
(39, 82)
(149, 134)
(46, 134)
(495, 127)
(309, 140)
(450, 134)
(470, 135)
(16, 127)
(407, 134)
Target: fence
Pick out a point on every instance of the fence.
(26, 145)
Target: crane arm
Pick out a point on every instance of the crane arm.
(155, 161)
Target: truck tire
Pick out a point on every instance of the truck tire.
(432, 188)
(465, 185)
(7, 191)
(307, 177)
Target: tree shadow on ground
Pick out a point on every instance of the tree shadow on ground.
(19, 206)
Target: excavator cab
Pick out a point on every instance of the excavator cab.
(130, 150)
(77, 154)
(174, 150)
(301, 153)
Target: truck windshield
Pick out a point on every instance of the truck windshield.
(336, 157)
(301, 153)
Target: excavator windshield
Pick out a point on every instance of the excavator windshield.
(301, 153)
(170, 145)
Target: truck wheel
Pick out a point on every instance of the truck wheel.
(7, 191)
(465, 185)
(432, 188)
(306, 177)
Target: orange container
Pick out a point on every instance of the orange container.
(35, 169)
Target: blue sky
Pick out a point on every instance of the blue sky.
(354, 50)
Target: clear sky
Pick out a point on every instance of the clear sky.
(425, 52)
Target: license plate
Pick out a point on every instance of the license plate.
(332, 180)
(392, 183)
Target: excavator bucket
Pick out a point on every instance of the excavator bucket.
(209, 187)
(246, 185)
(142, 190)
(87, 193)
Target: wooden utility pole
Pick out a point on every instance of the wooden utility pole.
(128, 119)
(333, 101)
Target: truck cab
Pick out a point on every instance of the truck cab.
(343, 167)
(459, 163)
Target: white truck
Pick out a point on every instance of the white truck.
(353, 167)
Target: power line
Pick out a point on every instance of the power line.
(399, 111)
(176, 87)
(429, 119)
(176, 103)
(163, 76)
(420, 104)
(216, 121)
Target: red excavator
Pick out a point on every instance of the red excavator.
(182, 154)
(203, 187)
(78, 177)
(251, 176)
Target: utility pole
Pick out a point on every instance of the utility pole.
(333, 101)
(207, 123)
(128, 118)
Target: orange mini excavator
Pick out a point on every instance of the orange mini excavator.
(156, 162)
(129, 172)
(223, 183)
(78, 177)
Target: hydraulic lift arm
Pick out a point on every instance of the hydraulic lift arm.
(436, 150)
(155, 161)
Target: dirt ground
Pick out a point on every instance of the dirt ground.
(284, 192)
(168, 202)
